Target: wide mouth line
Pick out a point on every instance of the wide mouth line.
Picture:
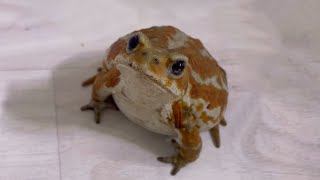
(130, 65)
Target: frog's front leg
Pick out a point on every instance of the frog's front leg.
(189, 142)
(187, 150)
(104, 84)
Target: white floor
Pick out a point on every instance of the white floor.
(270, 50)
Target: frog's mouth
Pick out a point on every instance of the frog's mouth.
(130, 70)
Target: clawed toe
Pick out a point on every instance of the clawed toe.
(94, 108)
(175, 170)
(99, 106)
(91, 80)
(223, 122)
(176, 162)
(165, 159)
(86, 107)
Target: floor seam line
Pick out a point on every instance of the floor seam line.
(56, 119)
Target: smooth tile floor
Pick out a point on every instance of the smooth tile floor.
(270, 52)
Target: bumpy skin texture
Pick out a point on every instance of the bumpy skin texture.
(186, 104)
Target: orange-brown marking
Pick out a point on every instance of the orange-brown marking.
(138, 57)
(159, 36)
(191, 144)
(205, 66)
(109, 79)
(181, 112)
(205, 118)
(112, 77)
(190, 138)
(199, 107)
(168, 82)
(158, 69)
(116, 48)
(178, 115)
(182, 82)
(209, 93)
(98, 83)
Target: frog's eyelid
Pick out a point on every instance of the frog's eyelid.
(143, 41)
(176, 57)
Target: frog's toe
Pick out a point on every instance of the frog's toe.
(175, 170)
(96, 108)
(165, 159)
(89, 81)
(86, 107)
(223, 122)
(99, 106)
(177, 163)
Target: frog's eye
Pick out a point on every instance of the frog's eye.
(177, 67)
(133, 43)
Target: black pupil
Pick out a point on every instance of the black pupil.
(177, 67)
(133, 42)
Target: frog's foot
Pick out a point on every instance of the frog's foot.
(177, 161)
(98, 107)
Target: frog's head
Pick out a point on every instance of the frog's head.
(165, 67)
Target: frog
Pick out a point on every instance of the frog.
(167, 82)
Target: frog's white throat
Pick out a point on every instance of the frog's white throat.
(142, 89)
(143, 100)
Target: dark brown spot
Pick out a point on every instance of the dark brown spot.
(144, 53)
(155, 60)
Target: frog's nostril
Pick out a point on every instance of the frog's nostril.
(155, 60)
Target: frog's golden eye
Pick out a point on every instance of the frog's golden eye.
(133, 43)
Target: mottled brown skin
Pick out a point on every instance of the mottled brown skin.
(189, 109)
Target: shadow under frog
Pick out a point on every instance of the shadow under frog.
(68, 96)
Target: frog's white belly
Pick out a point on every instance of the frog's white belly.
(142, 100)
